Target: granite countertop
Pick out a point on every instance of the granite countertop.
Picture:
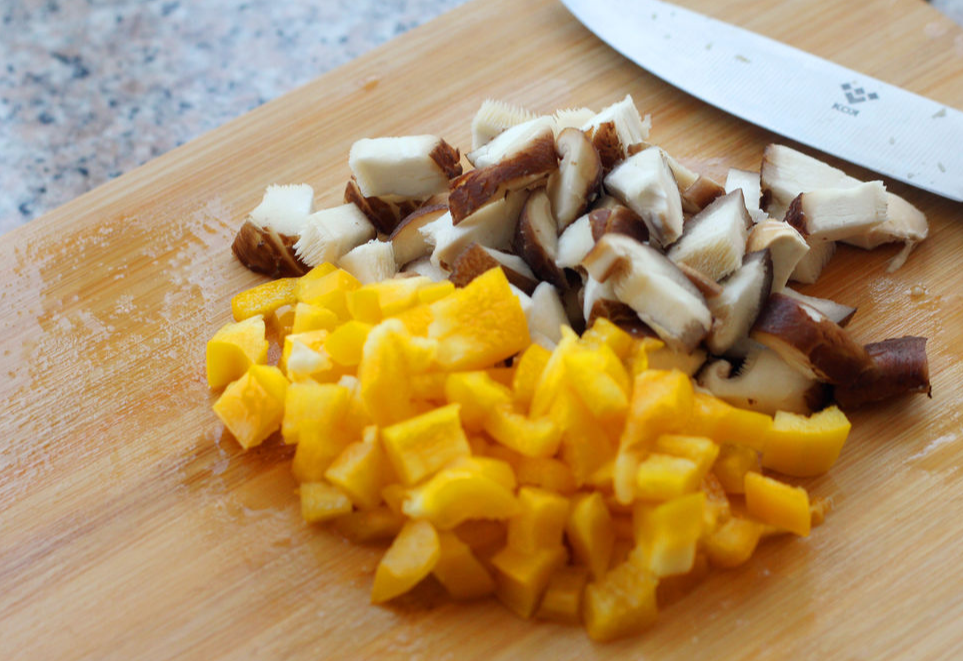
(90, 89)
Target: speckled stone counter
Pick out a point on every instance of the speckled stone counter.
(90, 89)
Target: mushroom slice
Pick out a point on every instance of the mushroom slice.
(645, 184)
(831, 214)
(425, 268)
(653, 286)
(477, 259)
(494, 117)
(574, 118)
(811, 264)
(373, 261)
(521, 169)
(748, 181)
(764, 382)
(785, 173)
(493, 225)
(714, 241)
(265, 241)
(576, 182)
(810, 341)
(743, 296)
(575, 243)
(901, 368)
(536, 239)
(839, 313)
(512, 141)
(384, 212)
(617, 219)
(407, 239)
(547, 314)
(786, 247)
(904, 223)
(706, 286)
(616, 129)
(330, 233)
(413, 166)
(700, 194)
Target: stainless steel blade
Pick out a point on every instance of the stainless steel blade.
(796, 94)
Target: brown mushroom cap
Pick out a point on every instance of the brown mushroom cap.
(265, 251)
(901, 368)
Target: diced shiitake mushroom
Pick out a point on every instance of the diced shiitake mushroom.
(494, 117)
(576, 183)
(786, 247)
(575, 243)
(735, 309)
(330, 233)
(408, 241)
(834, 214)
(714, 240)
(536, 238)
(512, 141)
(493, 225)
(839, 313)
(411, 167)
(645, 183)
(813, 261)
(616, 130)
(265, 242)
(476, 259)
(901, 367)
(373, 261)
(748, 182)
(546, 315)
(384, 212)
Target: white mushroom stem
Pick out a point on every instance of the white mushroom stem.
(330, 233)
(373, 261)
(494, 117)
(832, 214)
(645, 184)
(414, 166)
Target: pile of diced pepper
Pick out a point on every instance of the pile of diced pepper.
(574, 484)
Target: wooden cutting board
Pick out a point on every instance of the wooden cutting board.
(131, 526)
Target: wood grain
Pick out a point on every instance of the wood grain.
(132, 527)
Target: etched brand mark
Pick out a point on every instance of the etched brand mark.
(854, 95)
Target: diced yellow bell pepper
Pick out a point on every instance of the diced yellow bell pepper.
(309, 317)
(717, 509)
(321, 502)
(372, 525)
(540, 521)
(410, 558)
(732, 464)
(638, 359)
(804, 446)
(394, 495)
(480, 324)
(778, 504)
(435, 291)
(308, 400)
(455, 495)
(605, 332)
(521, 578)
(416, 320)
(484, 538)
(478, 395)
(420, 446)
(345, 344)
(725, 423)
(361, 471)
(385, 375)
(528, 371)
(281, 322)
(357, 418)
(302, 362)
(318, 445)
(732, 543)
(562, 601)
(698, 449)
(430, 386)
(329, 291)
(459, 571)
(502, 374)
(388, 298)
(316, 273)
(668, 533)
(491, 467)
(586, 444)
(552, 380)
(530, 437)
(621, 603)
(672, 588)
(253, 406)
(591, 532)
(587, 374)
(264, 299)
(233, 349)
(363, 305)
(311, 339)
(664, 477)
(547, 473)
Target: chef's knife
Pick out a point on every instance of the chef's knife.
(796, 94)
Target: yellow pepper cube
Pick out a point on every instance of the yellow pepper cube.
(586, 445)
(385, 374)
(418, 447)
(458, 570)
(410, 558)
(316, 273)
(253, 406)
(638, 359)
(668, 533)
(732, 464)
(521, 578)
(484, 538)
(479, 325)
(309, 317)
(725, 423)
(361, 471)
(698, 449)
(455, 495)
(732, 543)
(430, 387)
(435, 291)
(328, 291)
(322, 502)
(363, 305)
(546, 473)
(233, 349)
(345, 344)
(562, 601)
(621, 603)
(778, 504)
(357, 418)
(493, 468)
(540, 521)
(308, 400)
(530, 437)
(502, 375)
(478, 395)
(587, 375)
(362, 526)
(313, 340)
(591, 533)
(264, 299)
(664, 477)
(552, 380)
(416, 320)
(303, 357)
(605, 332)
(804, 446)
(281, 322)
(528, 371)
(398, 294)
(318, 445)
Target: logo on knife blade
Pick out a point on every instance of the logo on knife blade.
(854, 95)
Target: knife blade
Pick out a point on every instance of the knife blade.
(816, 102)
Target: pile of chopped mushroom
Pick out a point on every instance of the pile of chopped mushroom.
(588, 219)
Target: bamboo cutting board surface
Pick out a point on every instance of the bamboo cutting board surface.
(131, 526)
